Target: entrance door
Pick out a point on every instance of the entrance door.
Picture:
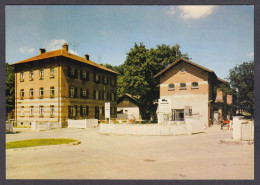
(96, 112)
(215, 117)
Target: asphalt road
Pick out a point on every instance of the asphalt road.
(199, 156)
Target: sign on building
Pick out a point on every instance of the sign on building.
(107, 110)
(164, 106)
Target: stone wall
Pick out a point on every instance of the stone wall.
(84, 123)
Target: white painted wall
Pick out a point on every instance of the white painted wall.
(129, 112)
(84, 123)
(198, 102)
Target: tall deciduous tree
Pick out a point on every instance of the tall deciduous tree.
(9, 87)
(241, 78)
(138, 72)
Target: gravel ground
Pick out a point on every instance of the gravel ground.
(199, 156)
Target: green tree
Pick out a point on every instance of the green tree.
(241, 79)
(138, 72)
(9, 87)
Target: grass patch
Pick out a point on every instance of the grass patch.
(38, 142)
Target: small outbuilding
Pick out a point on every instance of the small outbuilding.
(128, 107)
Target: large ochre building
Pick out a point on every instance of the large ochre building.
(57, 85)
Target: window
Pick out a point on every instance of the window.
(41, 92)
(22, 94)
(31, 93)
(22, 110)
(31, 75)
(194, 85)
(41, 74)
(72, 72)
(51, 111)
(72, 110)
(96, 95)
(171, 87)
(52, 72)
(22, 76)
(113, 81)
(112, 96)
(72, 92)
(41, 110)
(84, 110)
(105, 80)
(177, 115)
(96, 77)
(182, 86)
(84, 92)
(183, 69)
(31, 111)
(84, 75)
(52, 92)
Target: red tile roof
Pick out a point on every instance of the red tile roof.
(64, 53)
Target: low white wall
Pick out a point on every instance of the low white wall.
(8, 127)
(37, 126)
(84, 123)
(242, 129)
(143, 129)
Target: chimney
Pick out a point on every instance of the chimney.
(87, 57)
(42, 50)
(65, 47)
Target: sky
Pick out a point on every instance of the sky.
(216, 37)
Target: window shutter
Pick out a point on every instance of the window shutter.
(69, 74)
(87, 76)
(99, 78)
(76, 110)
(87, 93)
(69, 111)
(99, 95)
(76, 73)
(81, 92)
(94, 95)
(76, 92)
(69, 91)
(94, 76)
(80, 74)
(87, 110)
(81, 112)
(103, 80)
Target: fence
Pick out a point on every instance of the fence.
(37, 126)
(243, 129)
(84, 123)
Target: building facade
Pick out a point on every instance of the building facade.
(128, 108)
(56, 86)
(188, 89)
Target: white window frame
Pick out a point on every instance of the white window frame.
(52, 72)
(22, 76)
(52, 91)
(22, 93)
(31, 75)
(84, 74)
(97, 77)
(84, 93)
(72, 92)
(84, 110)
(41, 110)
(31, 93)
(31, 110)
(41, 73)
(72, 110)
(41, 92)
(194, 87)
(52, 109)
(96, 95)
(22, 110)
(171, 88)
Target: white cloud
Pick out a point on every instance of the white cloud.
(73, 52)
(30, 50)
(170, 11)
(195, 11)
(55, 44)
(25, 50)
(251, 54)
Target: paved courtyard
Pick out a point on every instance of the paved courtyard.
(199, 156)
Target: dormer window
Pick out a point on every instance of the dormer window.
(31, 75)
(52, 72)
(183, 86)
(183, 69)
(171, 87)
(41, 74)
(194, 85)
